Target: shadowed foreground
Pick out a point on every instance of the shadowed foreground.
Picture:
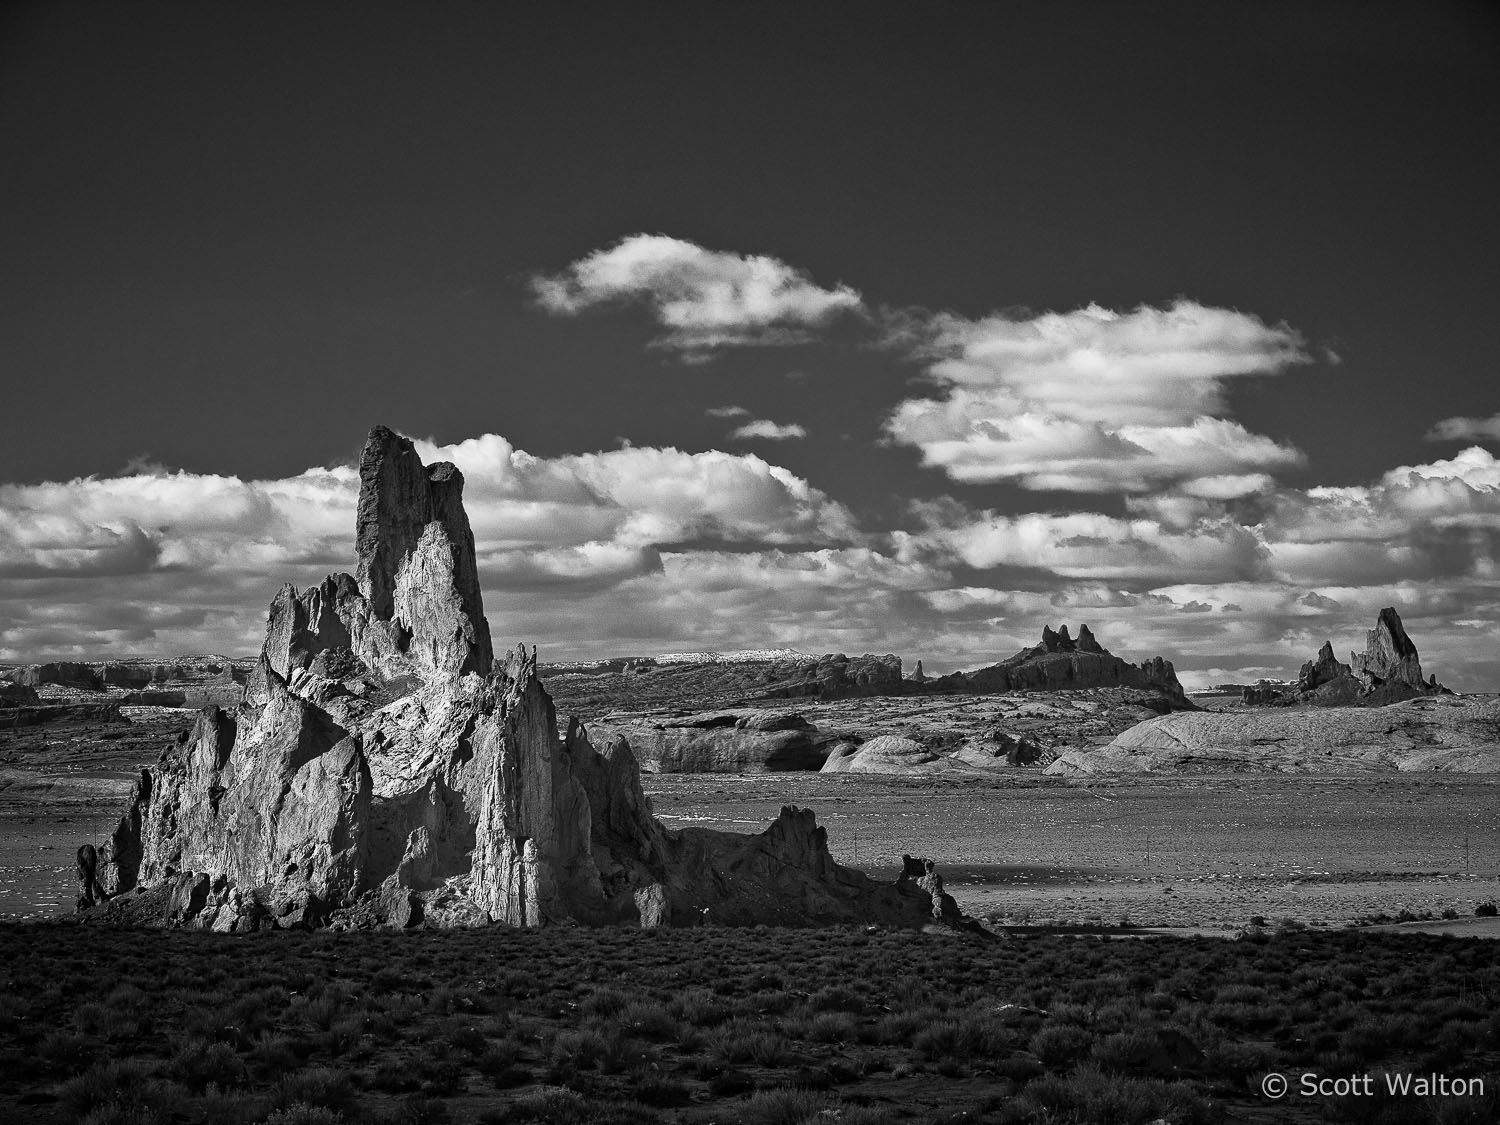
(764, 1025)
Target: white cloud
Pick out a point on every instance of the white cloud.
(1095, 400)
(1466, 429)
(705, 299)
(727, 412)
(103, 556)
(767, 430)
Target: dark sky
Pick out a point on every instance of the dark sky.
(228, 226)
(234, 236)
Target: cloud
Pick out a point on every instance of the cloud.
(727, 412)
(182, 562)
(1094, 400)
(1466, 429)
(705, 299)
(1090, 546)
(768, 430)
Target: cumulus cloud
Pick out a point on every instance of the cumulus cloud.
(1095, 400)
(105, 556)
(1466, 429)
(767, 430)
(727, 412)
(705, 299)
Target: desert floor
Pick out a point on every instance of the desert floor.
(1208, 853)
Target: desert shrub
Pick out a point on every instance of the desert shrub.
(699, 1007)
(1486, 910)
(784, 1107)
(468, 1040)
(605, 1002)
(303, 1114)
(126, 1086)
(648, 1019)
(64, 1049)
(198, 1063)
(316, 1086)
(585, 1048)
(744, 1041)
(1088, 1096)
(106, 1020)
(830, 1027)
(1060, 1044)
(659, 1090)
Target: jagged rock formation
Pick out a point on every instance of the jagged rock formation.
(1388, 671)
(1322, 669)
(919, 676)
(836, 676)
(381, 770)
(1061, 663)
(1389, 665)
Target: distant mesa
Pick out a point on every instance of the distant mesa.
(384, 768)
(1061, 663)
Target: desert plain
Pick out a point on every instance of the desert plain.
(1196, 852)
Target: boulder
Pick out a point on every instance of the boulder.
(886, 753)
(382, 769)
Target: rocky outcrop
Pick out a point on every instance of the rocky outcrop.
(1062, 663)
(417, 567)
(1443, 733)
(919, 676)
(886, 753)
(1388, 671)
(382, 771)
(14, 695)
(64, 673)
(836, 676)
(1389, 666)
(721, 742)
(1322, 669)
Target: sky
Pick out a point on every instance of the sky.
(843, 327)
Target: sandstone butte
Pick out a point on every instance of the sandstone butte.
(384, 769)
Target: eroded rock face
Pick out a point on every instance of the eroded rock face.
(1388, 671)
(836, 676)
(381, 770)
(1322, 669)
(722, 742)
(1390, 658)
(416, 555)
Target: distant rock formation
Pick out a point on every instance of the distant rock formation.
(720, 741)
(64, 673)
(382, 771)
(836, 676)
(919, 676)
(1388, 671)
(13, 694)
(1061, 663)
(1443, 733)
